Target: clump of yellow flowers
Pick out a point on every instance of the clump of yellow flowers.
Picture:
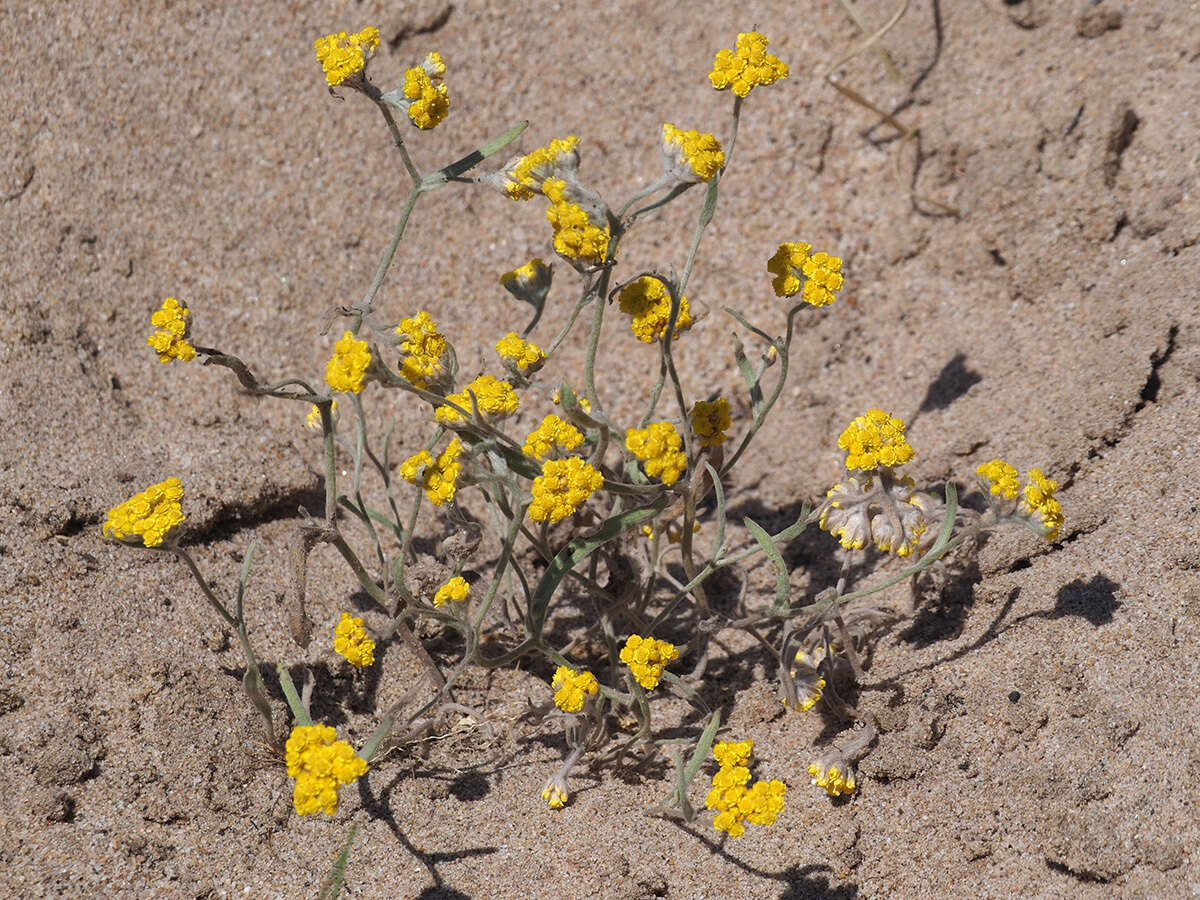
(437, 477)
(524, 356)
(821, 272)
(170, 341)
(710, 421)
(456, 590)
(646, 657)
(563, 487)
(833, 774)
(321, 764)
(735, 803)
(572, 688)
(351, 641)
(149, 515)
(747, 66)
(495, 398)
(1038, 502)
(690, 155)
(552, 434)
(343, 55)
(660, 447)
(429, 99)
(426, 349)
(876, 439)
(649, 303)
(347, 367)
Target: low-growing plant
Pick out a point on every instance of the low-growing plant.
(580, 510)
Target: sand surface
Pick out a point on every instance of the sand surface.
(1037, 703)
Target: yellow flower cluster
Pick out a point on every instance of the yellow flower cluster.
(553, 434)
(1003, 478)
(690, 154)
(833, 774)
(1039, 500)
(170, 341)
(749, 66)
(576, 236)
(873, 440)
(426, 348)
(524, 179)
(320, 763)
(735, 803)
(342, 55)
(823, 273)
(455, 589)
(430, 99)
(526, 356)
(350, 640)
(496, 399)
(646, 658)
(348, 365)
(710, 420)
(649, 302)
(571, 688)
(563, 486)
(313, 419)
(437, 477)
(658, 446)
(555, 794)
(148, 515)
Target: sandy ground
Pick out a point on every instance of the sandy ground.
(1038, 704)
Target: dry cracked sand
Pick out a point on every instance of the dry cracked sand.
(1037, 703)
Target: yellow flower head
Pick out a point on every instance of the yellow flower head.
(763, 803)
(571, 688)
(313, 419)
(427, 349)
(833, 774)
(710, 421)
(148, 515)
(822, 273)
(320, 763)
(1039, 501)
(1003, 478)
(496, 399)
(522, 178)
(556, 792)
(734, 801)
(427, 98)
(455, 589)
(646, 658)
(563, 487)
(581, 232)
(874, 440)
(348, 365)
(658, 445)
(344, 56)
(649, 302)
(170, 341)
(437, 477)
(553, 434)
(747, 67)
(351, 641)
(733, 753)
(524, 356)
(690, 155)
(529, 283)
